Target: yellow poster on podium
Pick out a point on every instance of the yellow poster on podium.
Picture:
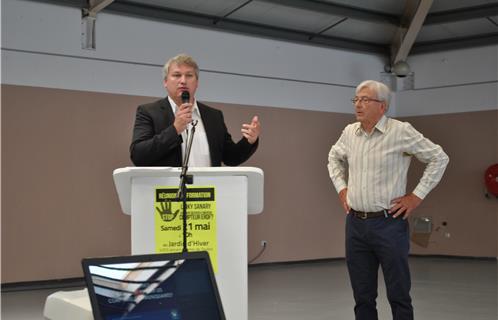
(201, 221)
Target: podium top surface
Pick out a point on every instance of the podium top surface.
(123, 180)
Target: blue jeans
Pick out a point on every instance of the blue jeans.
(372, 242)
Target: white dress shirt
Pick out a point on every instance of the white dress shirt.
(199, 154)
(378, 163)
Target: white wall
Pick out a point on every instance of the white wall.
(451, 82)
(41, 47)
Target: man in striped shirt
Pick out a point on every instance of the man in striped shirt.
(368, 166)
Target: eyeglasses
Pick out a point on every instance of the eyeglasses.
(364, 100)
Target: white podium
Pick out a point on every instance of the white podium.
(239, 191)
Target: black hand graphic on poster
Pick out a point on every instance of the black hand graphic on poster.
(165, 211)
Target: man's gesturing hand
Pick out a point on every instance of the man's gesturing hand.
(251, 131)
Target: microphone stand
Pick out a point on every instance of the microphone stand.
(184, 180)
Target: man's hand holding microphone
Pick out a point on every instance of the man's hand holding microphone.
(183, 115)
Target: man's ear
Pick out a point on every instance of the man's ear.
(384, 107)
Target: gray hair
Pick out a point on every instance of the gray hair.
(383, 92)
(180, 59)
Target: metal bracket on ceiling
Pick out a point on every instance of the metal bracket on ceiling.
(411, 23)
(88, 21)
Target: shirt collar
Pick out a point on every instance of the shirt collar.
(174, 107)
(382, 124)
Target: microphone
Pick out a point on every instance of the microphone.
(185, 97)
(184, 177)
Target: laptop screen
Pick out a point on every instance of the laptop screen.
(149, 287)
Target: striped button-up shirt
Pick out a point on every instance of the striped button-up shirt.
(374, 166)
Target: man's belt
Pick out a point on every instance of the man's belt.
(368, 215)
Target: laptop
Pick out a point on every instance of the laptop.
(166, 286)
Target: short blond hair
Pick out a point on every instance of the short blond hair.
(180, 59)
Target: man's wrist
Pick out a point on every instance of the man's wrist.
(178, 131)
(340, 186)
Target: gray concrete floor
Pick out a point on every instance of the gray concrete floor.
(442, 289)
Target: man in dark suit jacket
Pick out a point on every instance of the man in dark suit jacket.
(161, 126)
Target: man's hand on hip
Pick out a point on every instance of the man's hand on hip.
(343, 198)
(405, 204)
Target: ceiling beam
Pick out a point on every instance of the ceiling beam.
(338, 10)
(94, 6)
(232, 11)
(456, 43)
(164, 14)
(492, 21)
(68, 3)
(468, 13)
(412, 21)
(238, 26)
(86, 5)
(88, 22)
(406, 18)
(336, 23)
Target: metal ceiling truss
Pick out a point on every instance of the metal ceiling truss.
(469, 13)
(455, 43)
(88, 22)
(232, 25)
(233, 11)
(338, 10)
(95, 6)
(409, 24)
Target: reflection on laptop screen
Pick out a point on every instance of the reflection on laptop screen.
(163, 286)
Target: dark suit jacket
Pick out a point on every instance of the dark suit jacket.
(156, 143)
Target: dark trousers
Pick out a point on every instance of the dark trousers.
(370, 243)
